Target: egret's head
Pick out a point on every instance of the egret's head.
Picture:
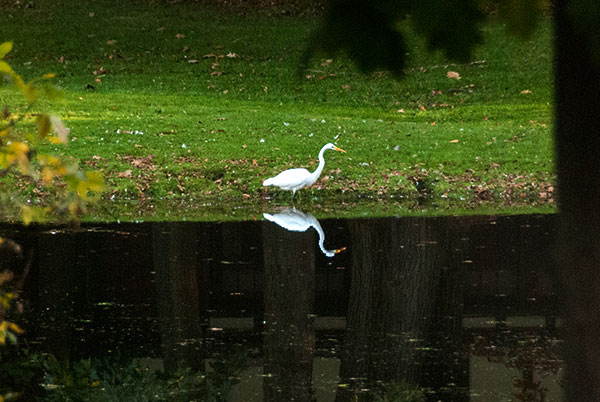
(331, 146)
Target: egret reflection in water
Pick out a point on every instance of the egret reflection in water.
(297, 221)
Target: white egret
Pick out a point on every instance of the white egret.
(297, 221)
(295, 179)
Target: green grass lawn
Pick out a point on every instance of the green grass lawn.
(187, 109)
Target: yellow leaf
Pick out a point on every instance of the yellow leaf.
(5, 68)
(43, 125)
(5, 48)
(27, 213)
(47, 175)
(54, 140)
(15, 328)
(16, 152)
(18, 147)
(95, 181)
(48, 76)
(48, 160)
(82, 189)
(4, 163)
(73, 208)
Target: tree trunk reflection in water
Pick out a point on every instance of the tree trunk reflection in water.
(60, 278)
(289, 339)
(395, 273)
(177, 294)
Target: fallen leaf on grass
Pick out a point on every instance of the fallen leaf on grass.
(101, 71)
(453, 75)
(180, 36)
(453, 141)
(125, 173)
(526, 91)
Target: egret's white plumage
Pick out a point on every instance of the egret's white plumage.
(295, 179)
(297, 221)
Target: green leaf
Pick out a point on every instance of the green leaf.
(5, 48)
(365, 30)
(453, 26)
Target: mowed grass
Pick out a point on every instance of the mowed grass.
(186, 109)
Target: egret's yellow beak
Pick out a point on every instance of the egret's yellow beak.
(339, 250)
(339, 149)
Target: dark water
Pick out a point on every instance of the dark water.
(395, 309)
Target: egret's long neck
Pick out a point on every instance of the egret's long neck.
(315, 224)
(315, 175)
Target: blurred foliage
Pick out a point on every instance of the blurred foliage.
(8, 330)
(43, 377)
(62, 188)
(370, 31)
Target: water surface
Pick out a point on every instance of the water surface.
(436, 309)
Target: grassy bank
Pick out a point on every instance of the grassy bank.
(186, 110)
